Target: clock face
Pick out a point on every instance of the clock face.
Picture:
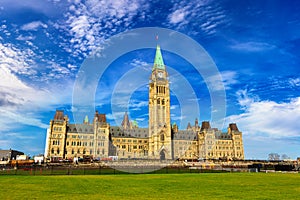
(160, 74)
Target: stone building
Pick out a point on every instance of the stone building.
(161, 140)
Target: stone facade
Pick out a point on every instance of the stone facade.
(97, 139)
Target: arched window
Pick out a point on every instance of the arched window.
(162, 137)
(52, 150)
(58, 151)
(84, 151)
(72, 151)
(158, 101)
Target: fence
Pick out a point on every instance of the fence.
(101, 170)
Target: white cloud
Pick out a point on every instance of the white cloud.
(137, 104)
(93, 21)
(277, 120)
(25, 38)
(17, 101)
(59, 70)
(177, 16)
(33, 26)
(225, 78)
(16, 60)
(253, 46)
(48, 7)
(141, 64)
(294, 82)
(72, 67)
(207, 13)
(174, 107)
(20, 100)
(115, 116)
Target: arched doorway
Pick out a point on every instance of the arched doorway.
(162, 155)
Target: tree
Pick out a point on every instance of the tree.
(274, 156)
(284, 157)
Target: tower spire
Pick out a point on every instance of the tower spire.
(125, 123)
(158, 60)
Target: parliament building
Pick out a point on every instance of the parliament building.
(161, 140)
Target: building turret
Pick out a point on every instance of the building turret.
(189, 126)
(100, 118)
(59, 116)
(175, 127)
(205, 125)
(196, 123)
(232, 128)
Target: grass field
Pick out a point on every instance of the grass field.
(153, 186)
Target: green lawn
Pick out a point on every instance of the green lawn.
(153, 186)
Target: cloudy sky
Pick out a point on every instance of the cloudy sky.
(254, 44)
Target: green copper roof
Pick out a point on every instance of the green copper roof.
(86, 119)
(158, 61)
(134, 123)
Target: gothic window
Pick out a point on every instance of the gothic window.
(163, 102)
(72, 151)
(52, 150)
(158, 101)
(78, 151)
(84, 151)
(162, 137)
(58, 151)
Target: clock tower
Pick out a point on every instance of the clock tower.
(159, 111)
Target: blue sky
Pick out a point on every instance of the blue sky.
(254, 44)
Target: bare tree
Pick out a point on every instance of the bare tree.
(284, 157)
(274, 156)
